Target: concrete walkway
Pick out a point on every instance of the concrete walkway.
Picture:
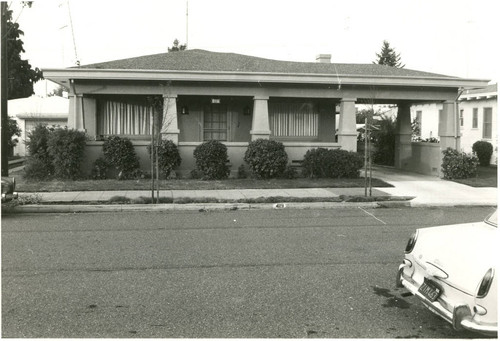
(433, 191)
(428, 191)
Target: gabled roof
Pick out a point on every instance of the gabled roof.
(201, 60)
(488, 92)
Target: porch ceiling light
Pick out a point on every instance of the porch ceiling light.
(185, 110)
(246, 110)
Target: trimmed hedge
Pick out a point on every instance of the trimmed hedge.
(483, 150)
(168, 156)
(331, 163)
(54, 152)
(211, 159)
(66, 148)
(458, 165)
(120, 154)
(266, 158)
(38, 163)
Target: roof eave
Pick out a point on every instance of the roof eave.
(63, 76)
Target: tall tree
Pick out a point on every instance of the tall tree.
(388, 56)
(17, 75)
(21, 75)
(176, 47)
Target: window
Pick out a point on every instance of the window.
(487, 123)
(293, 120)
(474, 118)
(215, 122)
(123, 116)
(461, 117)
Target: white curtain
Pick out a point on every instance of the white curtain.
(122, 118)
(293, 119)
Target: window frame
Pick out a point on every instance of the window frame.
(487, 125)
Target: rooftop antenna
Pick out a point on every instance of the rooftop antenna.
(77, 61)
(187, 22)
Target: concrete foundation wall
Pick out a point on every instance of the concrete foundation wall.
(425, 159)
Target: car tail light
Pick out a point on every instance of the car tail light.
(485, 285)
(411, 242)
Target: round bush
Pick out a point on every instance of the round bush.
(483, 150)
(120, 154)
(168, 156)
(266, 158)
(100, 169)
(211, 160)
(331, 163)
(458, 165)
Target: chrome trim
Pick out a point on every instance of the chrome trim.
(437, 308)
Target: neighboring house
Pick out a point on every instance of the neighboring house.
(28, 112)
(477, 118)
(236, 98)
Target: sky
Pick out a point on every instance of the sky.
(450, 37)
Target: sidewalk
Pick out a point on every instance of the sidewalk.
(428, 191)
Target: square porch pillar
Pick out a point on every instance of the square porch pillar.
(402, 152)
(75, 114)
(169, 126)
(347, 125)
(449, 128)
(260, 118)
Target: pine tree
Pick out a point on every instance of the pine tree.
(176, 47)
(388, 56)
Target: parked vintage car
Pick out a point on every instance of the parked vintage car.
(452, 270)
(8, 189)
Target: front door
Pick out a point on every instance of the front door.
(215, 122)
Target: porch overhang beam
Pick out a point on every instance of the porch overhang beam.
(63, 77)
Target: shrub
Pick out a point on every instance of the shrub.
(100, 169)
(483, 150)
(211, 159)
(266, 158)
(458, 165)
(168, 156)
(120, 154)
(38, 163)
(37, 168)
(331, 163)
(66, 148)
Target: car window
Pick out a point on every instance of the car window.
(492, 219)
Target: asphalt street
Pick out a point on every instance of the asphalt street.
(238, 274)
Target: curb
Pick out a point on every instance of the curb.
(231, 206)
(189, 207)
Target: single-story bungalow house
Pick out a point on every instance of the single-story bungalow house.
(30, 111)
(237, 98)
(477, 111)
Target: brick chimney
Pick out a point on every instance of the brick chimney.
(323, 58)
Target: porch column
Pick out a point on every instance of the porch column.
(75, 115)
(260, 118)
(449, 129)
(347, 125)
(402, 152)
(169, 127)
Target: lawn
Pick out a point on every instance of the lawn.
(24, 185)
(486, 177)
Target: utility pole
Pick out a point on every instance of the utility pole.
(4, 90)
